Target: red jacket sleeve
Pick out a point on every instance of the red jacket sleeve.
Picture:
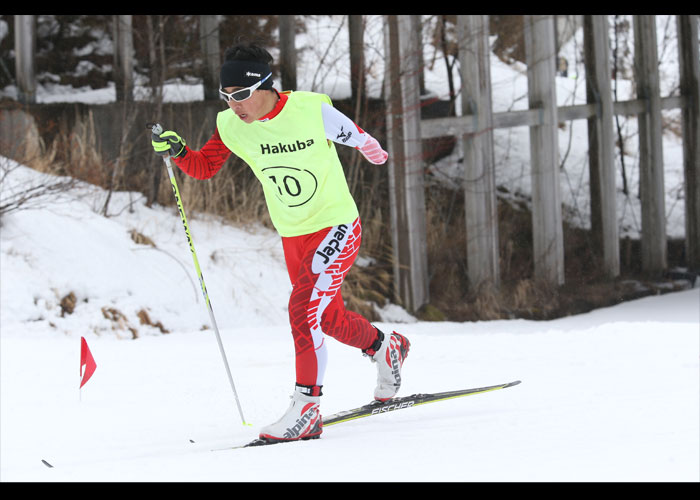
(206, 162)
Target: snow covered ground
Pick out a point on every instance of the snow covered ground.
(612, 395)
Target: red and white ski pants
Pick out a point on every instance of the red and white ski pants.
(317, 265)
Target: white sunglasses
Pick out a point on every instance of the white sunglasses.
(242, 94)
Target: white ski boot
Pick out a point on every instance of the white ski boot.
(389, 352)
(302, 419)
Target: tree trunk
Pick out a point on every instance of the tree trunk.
(123, 58)
(357, 57)
(211, 52)
(25, 66)
(288, 53)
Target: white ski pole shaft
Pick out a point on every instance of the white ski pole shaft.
(158, 129)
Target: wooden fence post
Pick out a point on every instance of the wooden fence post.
(651, 162)
(689, 60)
(542, 118)
(481, 209)
(407, 196)
(604, 227)
(548, 244)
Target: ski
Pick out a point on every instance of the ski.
(267, 442)
(378, 408)
(400, 403)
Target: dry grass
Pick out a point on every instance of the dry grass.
(72, 153)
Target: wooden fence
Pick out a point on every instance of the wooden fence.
(475, 129)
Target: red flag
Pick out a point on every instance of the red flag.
(87, 361)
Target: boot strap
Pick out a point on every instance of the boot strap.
(310, 390)
(372, 350)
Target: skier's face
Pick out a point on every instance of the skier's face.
(255, 107)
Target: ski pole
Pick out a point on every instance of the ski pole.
(157, 129)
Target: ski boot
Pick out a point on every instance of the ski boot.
(301, 421)
(389, 352)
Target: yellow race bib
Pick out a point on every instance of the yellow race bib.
(302, 178)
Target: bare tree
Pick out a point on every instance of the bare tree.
(18, 194)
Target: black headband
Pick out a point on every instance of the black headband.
(245, 74)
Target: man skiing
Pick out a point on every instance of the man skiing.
(287, 139)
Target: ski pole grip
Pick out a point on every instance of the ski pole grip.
(156, 128)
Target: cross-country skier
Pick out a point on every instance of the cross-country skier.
(287, 139)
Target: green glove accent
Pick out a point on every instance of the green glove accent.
(168, 144)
